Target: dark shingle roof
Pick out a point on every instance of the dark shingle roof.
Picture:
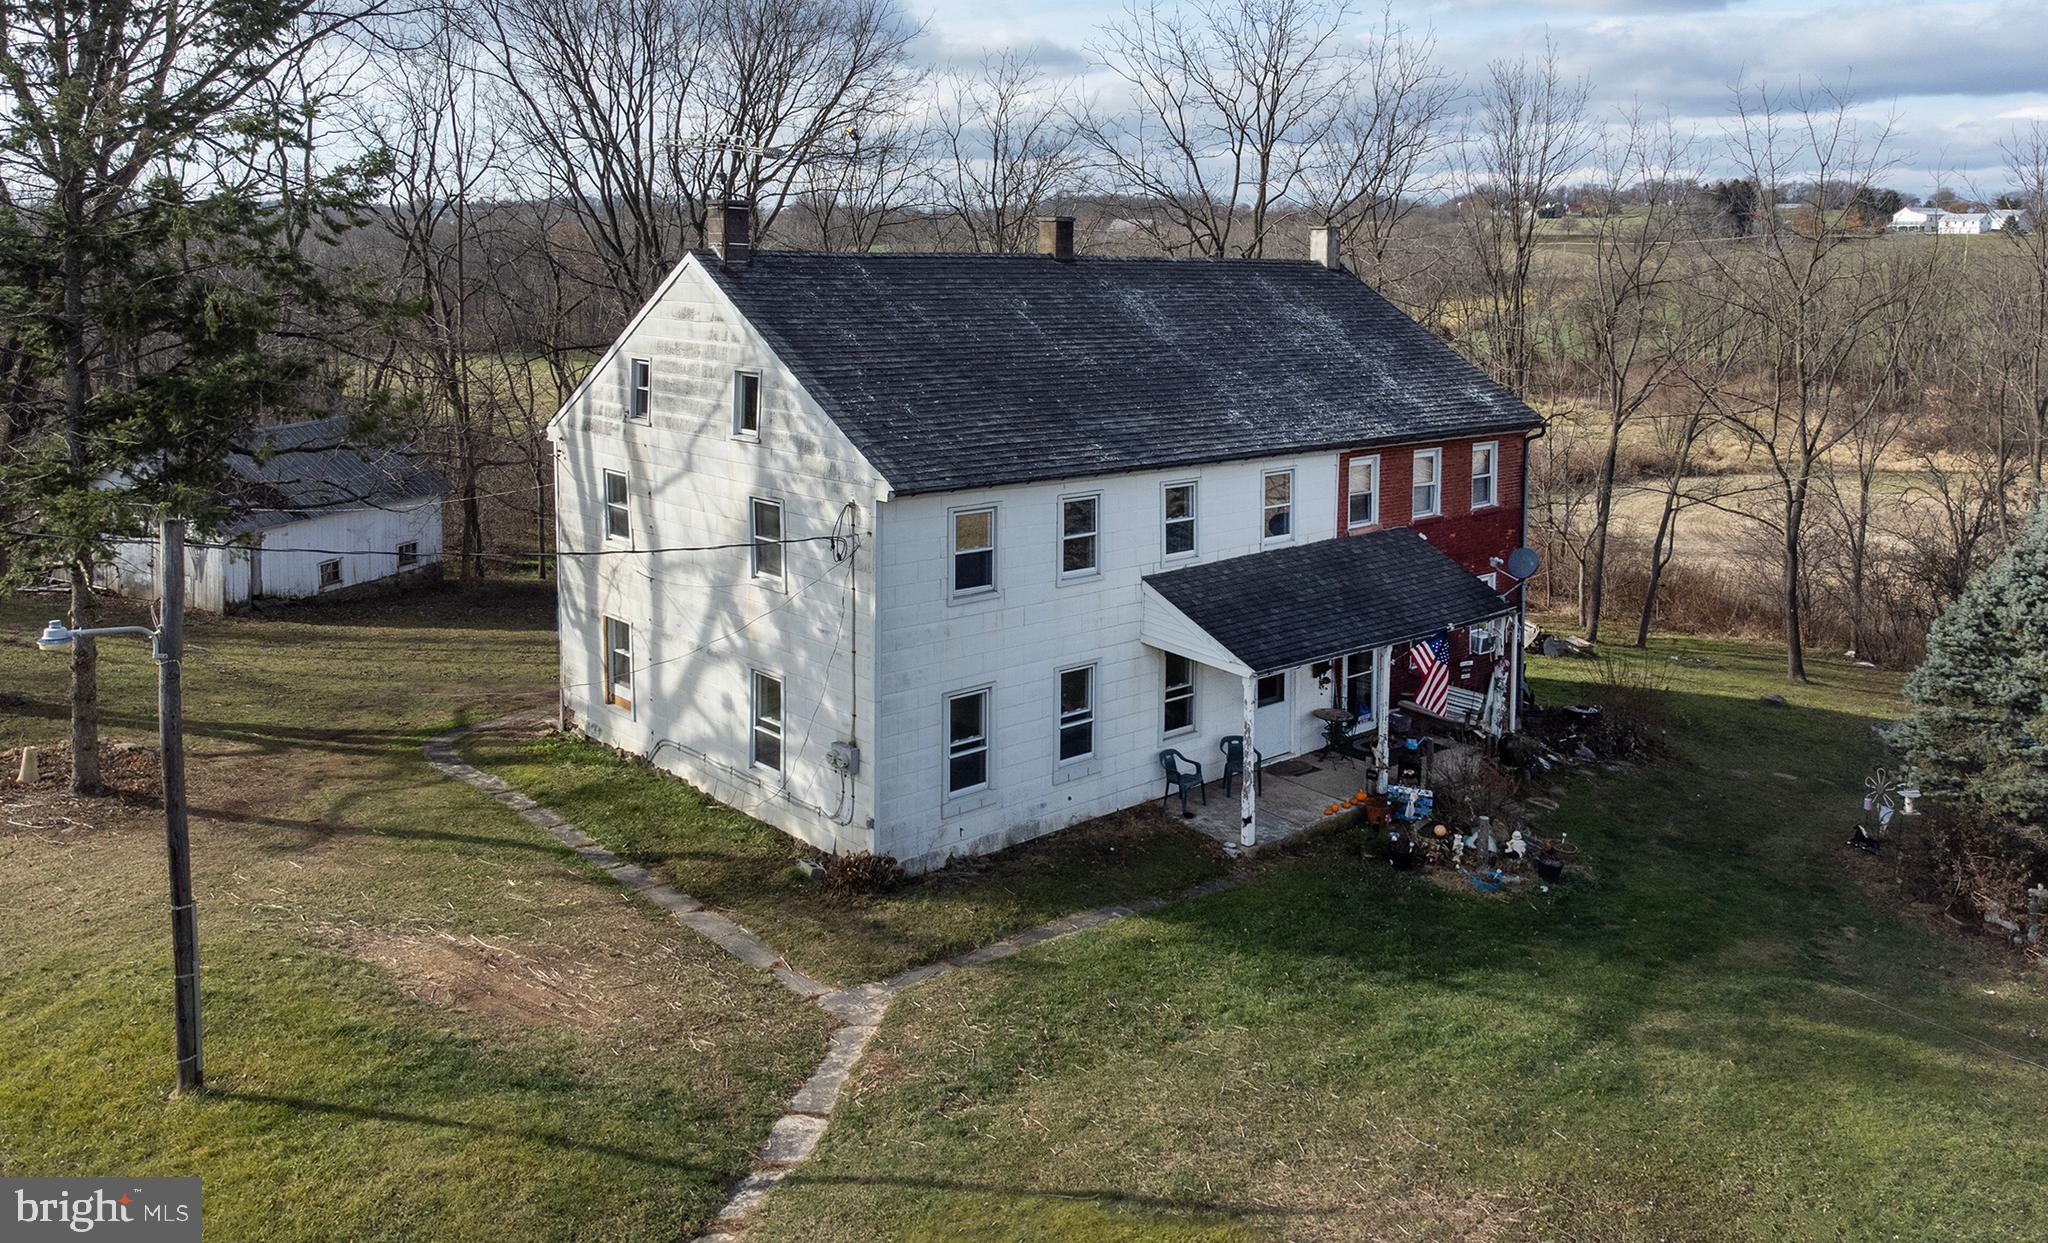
(311, 466)
(950, 371)
(1288, 606)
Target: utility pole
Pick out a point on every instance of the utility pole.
(170, 710)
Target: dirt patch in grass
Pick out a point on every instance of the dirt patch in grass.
(503, 982)
(131, 774)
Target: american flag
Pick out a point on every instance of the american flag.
(1432, 659)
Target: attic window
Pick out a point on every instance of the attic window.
(640, 397)
(746, 405)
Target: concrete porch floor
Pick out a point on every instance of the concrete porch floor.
(1288, 805)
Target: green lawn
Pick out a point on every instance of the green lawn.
(1708, 1032)
(740, 865)
(423, 1019)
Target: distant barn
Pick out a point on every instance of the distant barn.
(311, 515)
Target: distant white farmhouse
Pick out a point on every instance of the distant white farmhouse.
(1916, 219)
(311, 515)
(929, 554)
(1990, 220)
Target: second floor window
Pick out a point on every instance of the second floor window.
(1278, 520)
(1485, 474)
(746, 405)
(618, 523)
(1180, 519)
(1426, 493)
(974, 551)
(1078, 531)
(640, 391)
(1362, 492)
(766, 518)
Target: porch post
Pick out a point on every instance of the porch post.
(1248, 783)
(1382, 697)
(1514, 717)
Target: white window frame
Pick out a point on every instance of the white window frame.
(1094, 534)
(334, 564)
(1193, 520)
(759, 726)
(1435, 457)
(1075, 717)
(1492, 475)
(1172, 692)
(1352, 492)
(1491, 579)
(740, 430)
(954, 552)
(758, 543)
(977, 745)
(640, 389)
(1267, 508)
(611, 651)
(1357, 665)
(621, 508)
(408, 554)
(1482, 640)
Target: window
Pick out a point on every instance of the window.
(765, 518)
(1426, 495)
(640, 398)
(1272, 690)
(618, 523)
(1485, 474)
(1362, 492)
(766, 749)
(1077, 713)
(1482, 640)
(1279, 505)
(746, 405)
(330, 574)
(966, 742)
(974, 551)
(1180, 519)
(1358, 683)
(1079, 527)
(1180, 694)
(1491, 580)
(408, 554)
(618, 663)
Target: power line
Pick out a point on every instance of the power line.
(494, 556)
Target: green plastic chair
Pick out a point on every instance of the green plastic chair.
(1232, 747)
(1177, 779)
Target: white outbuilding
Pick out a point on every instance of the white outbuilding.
(312, 515)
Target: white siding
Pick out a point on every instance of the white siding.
(700, 624)
(1017, 640)
(279, 562)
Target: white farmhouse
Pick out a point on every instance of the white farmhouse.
(928, 554)
(1989, 220)
(1916, 220)
(310, 515)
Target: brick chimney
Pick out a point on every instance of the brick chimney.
(1056, 237)
(730, 230)
(1323, 247)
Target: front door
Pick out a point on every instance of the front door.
(1273, 722)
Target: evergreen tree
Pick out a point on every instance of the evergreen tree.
(1978, 729)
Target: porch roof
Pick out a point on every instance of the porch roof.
(1285, 607)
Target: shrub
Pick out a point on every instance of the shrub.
(862, 875)
(1633, 699)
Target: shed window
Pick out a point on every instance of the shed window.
(408, 554)
(330, 574)
(1362, 492)
(974, 551)
(1077, 713)
(1180, 519)
(765, 520)
(1485, 474)
(1278, 522)
(1079, 527)
(767, 740)
(640, 394)
(746, 405)
(618, 663)
(618, 522)
(1426, 493)
(1180, 694)
(966, 742)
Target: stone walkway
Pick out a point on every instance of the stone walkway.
(857, 1010)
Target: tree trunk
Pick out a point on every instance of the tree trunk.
(1666, 531)
(1795, 649)
(85, 685)
(85, 692)
(1603, 513)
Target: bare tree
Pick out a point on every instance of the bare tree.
(880, 182)
(1220, 104)
(2024, 299)
(1010, 150)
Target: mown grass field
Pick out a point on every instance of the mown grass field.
(423, 1020)
(1711, 1031)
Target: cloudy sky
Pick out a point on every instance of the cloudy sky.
(1953, 78)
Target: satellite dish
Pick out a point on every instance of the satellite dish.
(1523, 562)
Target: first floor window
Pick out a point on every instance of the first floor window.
(746, 404)
(1279, 505)
(974, 551)
(618, 663)
(766, 520)
(966, 742)
(640, 395)
(618, 523)
(1077, 713)
(330, 574)
(1485, 474)
(1362, 492)
(1180, 519)
(1426, 496)
(767, 745)
(1078, 531)
(1358, 683)
(408, 554)
(1272, 690)
(1180, 694)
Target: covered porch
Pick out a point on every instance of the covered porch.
(1309, 635)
